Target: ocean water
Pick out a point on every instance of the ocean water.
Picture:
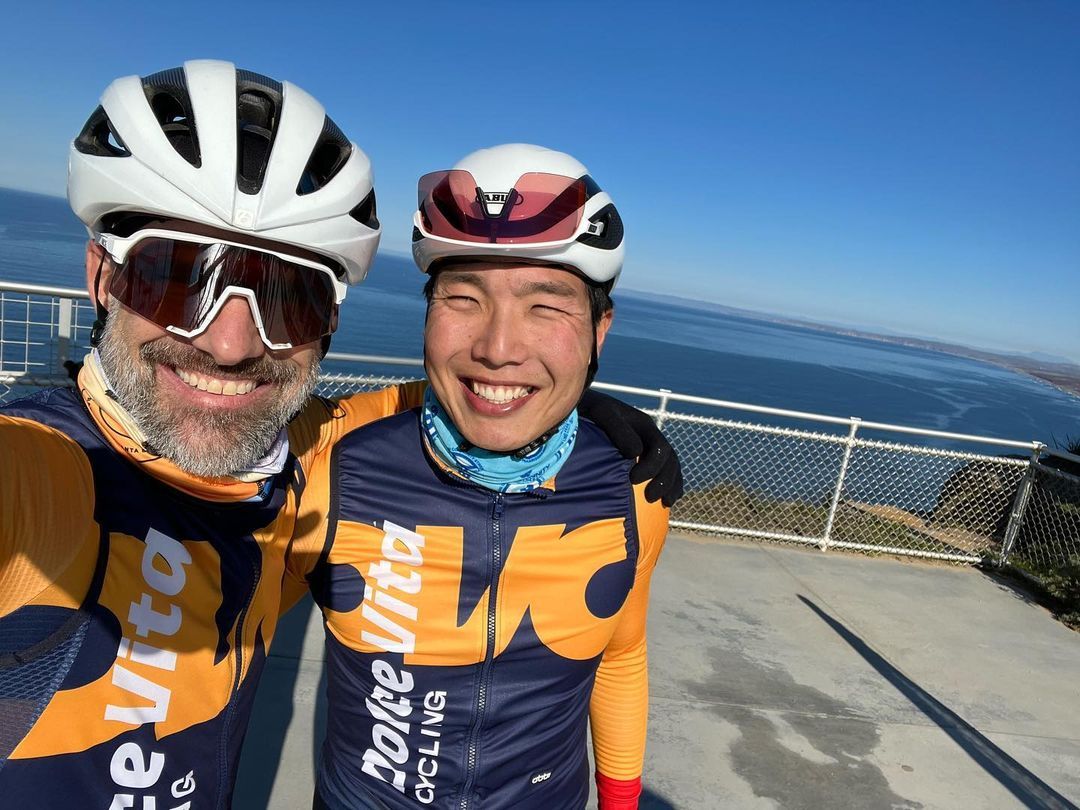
(686, 347)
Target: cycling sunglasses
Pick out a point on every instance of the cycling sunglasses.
(180, 281)
(539, 209)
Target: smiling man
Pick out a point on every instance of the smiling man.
(145, 516)
(501, 372)
(488, 606)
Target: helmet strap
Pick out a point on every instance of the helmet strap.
(535, 444)
(465, 445)
(97, 331)
(594, 364)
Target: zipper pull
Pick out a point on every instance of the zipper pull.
(497, 506)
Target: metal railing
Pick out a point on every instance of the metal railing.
(41, 328)
(751, 471)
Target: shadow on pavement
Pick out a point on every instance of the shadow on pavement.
(653, 801)
(1014, 777)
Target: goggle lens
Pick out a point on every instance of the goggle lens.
(538, 208)
(178, 284)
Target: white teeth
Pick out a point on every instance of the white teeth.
(228, 388)
(499, 394)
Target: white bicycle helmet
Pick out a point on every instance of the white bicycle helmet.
(229, 148)
(518, 201)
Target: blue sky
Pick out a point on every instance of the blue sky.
(909, 167)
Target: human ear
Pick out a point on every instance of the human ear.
(602, 328)
(99, 270)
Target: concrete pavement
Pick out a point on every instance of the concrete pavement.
(784, 677)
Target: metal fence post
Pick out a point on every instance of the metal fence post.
(1019, 505)
(63, 331)
(848, 446)
(3, 321)
(661, 410)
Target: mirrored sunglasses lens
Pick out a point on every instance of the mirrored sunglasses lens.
(176, 283)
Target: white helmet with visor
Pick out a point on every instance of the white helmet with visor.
(518, 201)
(205, 154)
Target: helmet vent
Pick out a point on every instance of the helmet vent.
(258, 113)
(612, 235)
(331, 152)
(99, 138)
(365, 214)
(167, 94)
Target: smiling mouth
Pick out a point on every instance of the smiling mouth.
(499, 394)
(214, 385)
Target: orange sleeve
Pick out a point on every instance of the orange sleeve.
(46, 511)
(312, 437)
(619, 709)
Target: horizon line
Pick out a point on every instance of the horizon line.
(796, 319)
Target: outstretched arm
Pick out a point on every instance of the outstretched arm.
(46, 515)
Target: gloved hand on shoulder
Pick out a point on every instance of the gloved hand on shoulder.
(635, 435)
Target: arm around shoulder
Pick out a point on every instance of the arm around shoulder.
(314, 434)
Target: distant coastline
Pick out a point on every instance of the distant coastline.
(1064, 376)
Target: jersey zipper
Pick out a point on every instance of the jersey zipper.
(238, 648)
(489, 653)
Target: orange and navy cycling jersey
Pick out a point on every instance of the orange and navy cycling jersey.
(136, 605)
(473, 636)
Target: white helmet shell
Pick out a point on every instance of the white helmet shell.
(597, 258)
(232, 149)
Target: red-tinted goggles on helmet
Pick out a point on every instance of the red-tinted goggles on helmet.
(180, 281)
(538, 209)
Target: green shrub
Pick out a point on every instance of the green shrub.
(1061, 586)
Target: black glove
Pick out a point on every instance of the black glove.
(635, 435)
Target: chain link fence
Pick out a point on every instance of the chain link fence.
(1047, 540)
(844, 490)
(750, 472)
(841, 491)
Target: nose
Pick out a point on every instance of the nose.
(232, 336)
(502, 340)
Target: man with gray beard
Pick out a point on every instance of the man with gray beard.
(145, 516)
(204, 441)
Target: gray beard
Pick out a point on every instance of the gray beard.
(201, 442)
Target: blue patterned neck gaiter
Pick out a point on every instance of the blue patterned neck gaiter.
(499, 472)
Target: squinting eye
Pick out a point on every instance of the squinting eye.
(544, 309)
(459, 301)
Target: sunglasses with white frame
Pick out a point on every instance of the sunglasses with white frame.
(118, 248)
